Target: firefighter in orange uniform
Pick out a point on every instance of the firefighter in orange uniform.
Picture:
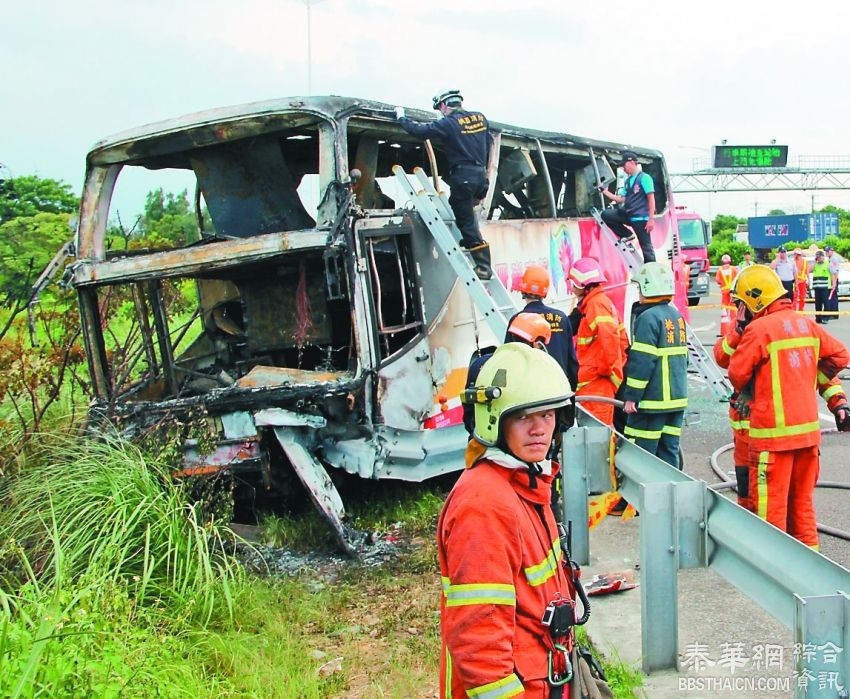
(779, 353)
(725, 276)
(601, 340)
(501, 563)
(801, 279)
(740, 405)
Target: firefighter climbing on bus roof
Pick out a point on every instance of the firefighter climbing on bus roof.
(465, 138)
(530, 328)
(635, 213)
(656, 389)
(601, 340)
(740, 406)
(534, 287)
(507, 610)
(779, 353)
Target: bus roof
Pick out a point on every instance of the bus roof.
(231, 123)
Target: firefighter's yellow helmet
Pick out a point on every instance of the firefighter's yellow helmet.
(757, 287)
(516, 378)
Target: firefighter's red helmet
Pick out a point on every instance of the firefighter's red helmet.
(586, 271)
(535, 281)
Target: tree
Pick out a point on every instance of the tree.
(723, 226)
(30, 195)
(776, 212)
(27, 244)
(168, 218)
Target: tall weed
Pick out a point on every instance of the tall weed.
(118, 521)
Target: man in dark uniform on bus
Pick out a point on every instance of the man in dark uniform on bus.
(465, 139)
(637, 207)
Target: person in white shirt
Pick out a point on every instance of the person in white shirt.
(786, 269)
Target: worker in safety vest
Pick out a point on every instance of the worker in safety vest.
(780, 353)
(534, 287)
(501, 562)
(822, 283)
(740, 405)
(656, 389)
(530, 328)
(801, 280)
(746, 262)
(601, 340)
(725, 276)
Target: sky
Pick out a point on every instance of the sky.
(676, 76)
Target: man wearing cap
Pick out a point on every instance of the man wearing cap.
(465, 138)
(746, 262)
(786, 270)
(637, 207)
(834, 260)
(801, 279)
(821, 286)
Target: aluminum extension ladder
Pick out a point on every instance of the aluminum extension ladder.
(490, 296)
(628, 251)
(700, 358)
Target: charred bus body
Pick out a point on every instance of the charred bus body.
(314, 325)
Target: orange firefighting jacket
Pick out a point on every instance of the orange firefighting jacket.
(601, 340)
(782, 352)
(830, 390)
(725, 276)
(500, 565)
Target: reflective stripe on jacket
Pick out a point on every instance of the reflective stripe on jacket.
(782, 353)
(830, 390)
(657, 366)
(601, 339)
(500, 566)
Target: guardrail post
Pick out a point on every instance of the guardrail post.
(574, 489)
(659, 612)
(586, 471)
(822, 646)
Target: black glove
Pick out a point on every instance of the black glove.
(743, 318)
(842, 417)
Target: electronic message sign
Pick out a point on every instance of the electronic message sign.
(749, 157)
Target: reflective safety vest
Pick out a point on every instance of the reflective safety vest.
(657, 367)
(821, 275)
(500, 566)
(782, 352)
(601, 340)
(725, 276)
(802, 270)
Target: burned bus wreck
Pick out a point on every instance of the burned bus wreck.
(314, 325)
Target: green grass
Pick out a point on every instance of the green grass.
(622, 678)
(113, 585)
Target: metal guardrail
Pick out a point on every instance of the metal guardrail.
(684, 524)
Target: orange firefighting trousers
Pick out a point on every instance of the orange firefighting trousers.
(782, 485)
(603, 386)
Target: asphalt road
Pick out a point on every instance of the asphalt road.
(708, 428)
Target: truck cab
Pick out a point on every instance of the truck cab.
(694, 237)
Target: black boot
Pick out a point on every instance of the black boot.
(480, 255)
